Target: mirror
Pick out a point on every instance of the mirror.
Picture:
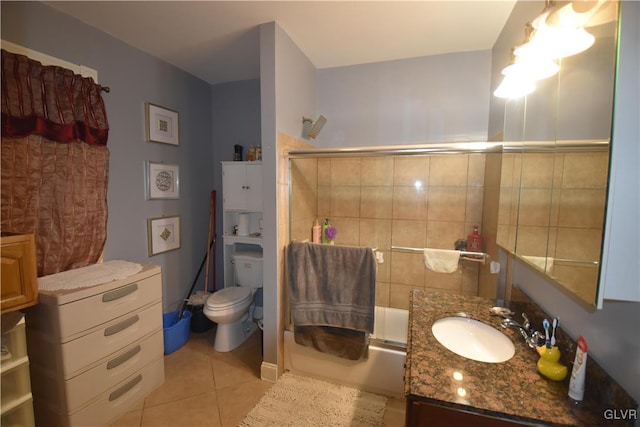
(555, 164)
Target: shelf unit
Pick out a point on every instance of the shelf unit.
(241, 194)
(17, 401)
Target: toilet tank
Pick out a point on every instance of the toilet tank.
(247, 266)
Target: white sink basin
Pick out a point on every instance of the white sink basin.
(473, 340)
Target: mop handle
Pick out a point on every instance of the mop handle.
(193, 285)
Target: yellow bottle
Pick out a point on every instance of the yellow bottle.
(548, 364)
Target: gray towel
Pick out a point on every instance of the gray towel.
(331, 285)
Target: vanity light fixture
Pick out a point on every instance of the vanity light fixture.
(557, 41)
(535, 58)
(513, 86)
(534, 67)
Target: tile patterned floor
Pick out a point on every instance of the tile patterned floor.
(205, 388)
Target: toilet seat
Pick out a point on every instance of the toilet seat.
(229, 297)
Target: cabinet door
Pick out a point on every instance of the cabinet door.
(254, 188)
(19, 272)
(422, 414)
(234, 186)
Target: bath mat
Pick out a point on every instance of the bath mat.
(301, 401)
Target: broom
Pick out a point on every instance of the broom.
(212, 241)
(193, 285)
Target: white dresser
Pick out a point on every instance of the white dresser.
(96, 351)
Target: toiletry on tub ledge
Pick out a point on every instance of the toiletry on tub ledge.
(328, 233)
(316, 232)
(576, 385)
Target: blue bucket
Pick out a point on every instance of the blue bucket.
(176, 334)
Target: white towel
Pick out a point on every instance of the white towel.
(441, 260)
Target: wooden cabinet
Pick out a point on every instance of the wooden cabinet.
(19, 272)
(242, 186)
(96, 351)
(423, 414)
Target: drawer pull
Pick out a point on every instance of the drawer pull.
(113, 363)
(119, 293)
(125, 388)
(121, 326)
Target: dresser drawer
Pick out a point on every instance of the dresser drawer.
(110, 337)
(14, 346)
(74, 357)
(75, 317)
(15, 385)
(21, 415)
(77, 391)
(107, 406)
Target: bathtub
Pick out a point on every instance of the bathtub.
(382, 372)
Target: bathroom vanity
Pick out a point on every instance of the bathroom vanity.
(445, 389)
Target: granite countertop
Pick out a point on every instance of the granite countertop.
(513, 390)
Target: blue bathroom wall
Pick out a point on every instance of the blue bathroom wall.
(235, 119)
(440, 98)
(135, 78)
(287, 92)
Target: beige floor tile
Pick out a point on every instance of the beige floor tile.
(199, 410)
(228, 373)
(394, 413)
(202, 342)
(187, 373)
(207, 388)
(237, 400)
(130, 419)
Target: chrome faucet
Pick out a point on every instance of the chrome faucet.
(532, 337)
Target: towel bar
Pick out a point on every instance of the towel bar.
(468, 255)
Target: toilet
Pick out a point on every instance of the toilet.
(232, 308)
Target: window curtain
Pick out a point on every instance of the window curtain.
(55, 162)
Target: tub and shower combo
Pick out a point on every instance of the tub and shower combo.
(377, 198)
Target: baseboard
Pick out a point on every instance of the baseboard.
(269, 372)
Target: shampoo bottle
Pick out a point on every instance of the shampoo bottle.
(576, 384)
(474, 241)
(316, 233)
(325, 225)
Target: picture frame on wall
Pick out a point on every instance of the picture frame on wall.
(163, 234)
(162, 180)
(161, 124)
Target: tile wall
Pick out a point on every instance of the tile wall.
(415, 201)
(552, 209)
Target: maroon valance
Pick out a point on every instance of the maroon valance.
(50, 101)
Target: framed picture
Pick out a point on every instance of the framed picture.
(163, 234)
(162, 181)
(161, 125)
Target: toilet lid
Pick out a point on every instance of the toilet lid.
(228, 297)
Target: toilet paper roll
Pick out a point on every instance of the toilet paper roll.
(243, 224)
